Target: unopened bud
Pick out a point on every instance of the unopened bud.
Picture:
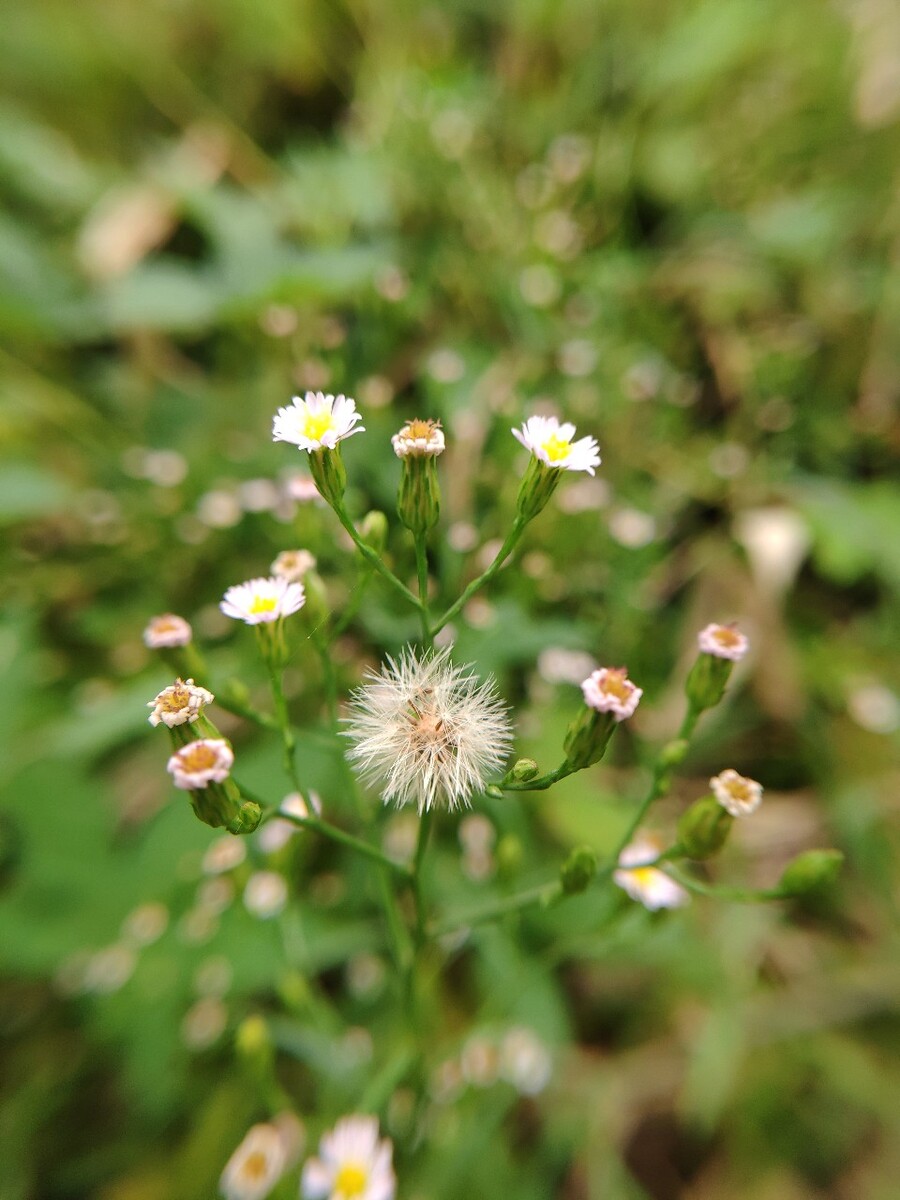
(419, 497)
(327, 468)
(247, 819)
(587, 738)
(704, 828)
(373, 530)
(578, 871)
(705, 684)
(523, 771)
(495, 792)
(810, 871)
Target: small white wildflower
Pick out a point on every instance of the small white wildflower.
(317, 422)
(167, 631)
(205, 761)
(262, 600)
(145, 924)
(610, 690)
(265, 894)
(109, 969)
(179, 704)
(419, 439)
(293, 564)
(525, 1061)
(256, 1165)
(428, 732)
(736, 793)
(552, 444)
(723, 641)
(652, 887)
(303, 490)
(352, 1164)
(224, 854)
(293, 805)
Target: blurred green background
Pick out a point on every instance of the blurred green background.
(674, 224)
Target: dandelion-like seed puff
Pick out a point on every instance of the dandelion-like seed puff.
(427, 732)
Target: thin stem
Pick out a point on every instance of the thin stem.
(328, 678)
(541, 783)
(249, 714)
(422, 573)
(738, 895)
(425, 823)
(353, 605)
(374, 559)
(486, 576)
(284, 724)
(545, 893)
(345, 839)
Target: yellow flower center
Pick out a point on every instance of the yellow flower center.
(316, 425)
(198, 758)
(255, 1166)
(351, 1180)
(727, 637)
(556, 448)
(262, 604)
(643, 876)
(739, 790)
(419, 429)
(616, 684)
(175, 700)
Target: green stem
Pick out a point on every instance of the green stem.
(344, 839)
(502, 554)
(541, 783)
(328, 678)
(371, 557)
(738, 895)
(425, 823)
(422, 573)
(249, 714)
(353, 605)
(545, 893)
(284, 724)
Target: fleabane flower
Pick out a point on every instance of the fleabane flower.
(419, 439)
(179, 704)
(610, 690)
(196, 765)
(353, 1164)
(259, 601)
(317, 422)
(292, 565)
(737, 794)
(652, 887)
(427, 732)
(256, 1165)
(723, 641)
(167, 631)
(552, 444)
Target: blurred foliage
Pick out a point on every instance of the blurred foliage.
(677, 225)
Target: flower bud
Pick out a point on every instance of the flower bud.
(538, 484)
(578, 871)
(493, 791)
(419, 497)
(705, 684)
(327, 468)
(587, 738)
(247, 819)
(704, 828)
(811, 870)
(523, 771)
(373, 530)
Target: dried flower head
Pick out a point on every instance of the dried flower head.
(256, 1165)
(179, 704)
(419, 438)
(428, 732)
(737, 794)
(167, 631)
(610, 690)
(317, 422)
(723, 641)
(293, 564)
(552, 444)
(200, 763)
(262, 600)
(352, 1164)
(652, 887)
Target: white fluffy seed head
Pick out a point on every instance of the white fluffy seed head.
(427, 732)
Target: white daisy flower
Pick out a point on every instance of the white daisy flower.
(352, 1164)
(610, 690)
(428, 732)
(259, 601)
(552, 444)
(419, 439)
(737, 794)
(256, 1165)
(179, 704)
(723, 641)
(317, 422)
(167, 631)
(200, 763)
(652, 887)
(293, 564)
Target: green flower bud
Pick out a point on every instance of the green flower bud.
(705, 684)
(247, 819)
(810, 871)
(704, 828)
(373, 530)
(523, 771)
(493, 791)
(587, 738)
(538, 484)
(578, 871)
(327, 468)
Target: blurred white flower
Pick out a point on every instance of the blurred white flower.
(205, 761)
(204, 1023)
(224, 854)
(303, 489)
(556, 664)
(145, 924)
(736, 793)
(265, 894)
(256, 1165)
(552, 444)
(109, 969)
(875, 707)
(610, 690)
(777, 540)
(166, 631)
(352, 1164)
(428, 732)
(652, 887)
(179, 704)
(293, 564)
(525, 1061)
(317, 422)
(480, 1061)
(632, 528)
(419, 439)
(261, 600)
(723, 641)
